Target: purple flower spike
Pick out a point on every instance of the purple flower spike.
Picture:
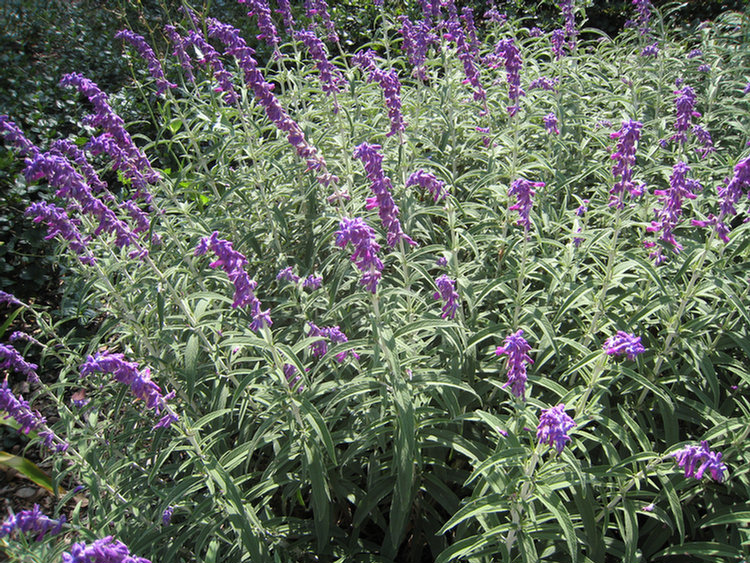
(549, 84)
(667, 218)
(28, 420)
(624, 343)
(703, 458)
(287, 274)
(557, 40)
(516, 349)
(8, 299)
(390, 84)
(447, 292)
(58, 223)
(139, 381)
(428, 181)
(695, 53)
(417, 40)
(507, 51)
(568, 11)
(332, 334)
(10, 359)
(550, 124)
(105, 550)
(293, 378)
(702, 134)
(166, 517)
(624, 158)
(523, 190)
(643, 9)
(553, 427)
(685, 105)
(13, 134)
(365, 254)
(145, 51)
(179, 50)
(285, 9)
(268, 33)
(320, 8)
(31, 521)
(312, 282)
(331, 78)
(381, 186)
(650, 50)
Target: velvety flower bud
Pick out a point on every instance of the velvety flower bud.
(650, 50)
(695, 53)
(331, 78)
(8, 299)
(568, 11)
(292, 377)
(180, 51)
(557, 40)
(59, 224)
(166, 517)
(287, 274)
(702, 458)
(544, 83)
(643, 10)
(507, 51)
(516, 349)
(268, 33)
(390, 84)
(285, 9)
(417, 40)
(312, 282)
(553, 427)
(319, 8)
(685, 104)
(704, 137)
(329, 334)
(624, 343)
(14, 135)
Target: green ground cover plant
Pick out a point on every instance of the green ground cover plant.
(468, 293)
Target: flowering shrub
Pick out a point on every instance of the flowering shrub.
(322, 385)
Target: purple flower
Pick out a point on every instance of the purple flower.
(268, 33)
(550, 124)
(285, 9)
(31, 521)
(381, 186)
(332, 334)
(730, 193)
(211, 58)
(417, 40)
(544, 83)
(583, 208)
(58, 223)
(685, 104)
(494, 16)
(390, 85)
(523, 190)
(553, 427)
(145, 51)
(568, 11)
(312, 282)
(292, 377)
(557, 39)
(139, 381)
(667, 218)
(441, 262)
(28, 420)
(506, 50)
(166, 517)
(702, 134)
(535, 32)
(447, 292)
(650, 50)
(105, 550)
(320, 8)
(695, 53)
(13, 134)
(624, 343)
(746, 90)
(703, 458)
(115, 140)
(704, 68)
(516, 349)
(331, 78)
(236, 46)
(624, 159)
(8, 299)
(287, 274)
(643, 8)
(365, 254)
(179, 50)
(10, 359)
(427, 181)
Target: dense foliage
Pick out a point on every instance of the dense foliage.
(463, 294)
